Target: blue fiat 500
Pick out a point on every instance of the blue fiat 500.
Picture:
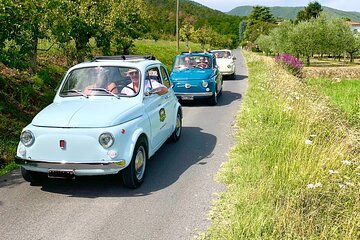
(196, 76)
(109, 115)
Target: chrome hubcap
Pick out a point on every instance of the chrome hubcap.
(178, 125)
(140, 163)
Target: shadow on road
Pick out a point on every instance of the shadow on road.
(163, 169)
(226, 98)
(237, 77)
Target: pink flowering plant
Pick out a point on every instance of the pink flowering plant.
(291, 63)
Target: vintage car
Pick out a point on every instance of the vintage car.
(225, 61)
(109, 115)
(195, 76)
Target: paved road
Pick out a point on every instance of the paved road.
(173, 202)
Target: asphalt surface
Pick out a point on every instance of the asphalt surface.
(173, 202)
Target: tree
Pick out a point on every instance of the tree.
(303, 40)
(281, 37)
(264, 42)
(312, 10)
(23, 24)
(340, 34)
(187, 30)
(203, 36)
(260, 21)
(129, 22)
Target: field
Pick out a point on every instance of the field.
(294, 170)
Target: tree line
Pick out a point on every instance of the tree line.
(111, 24)
(312, 33)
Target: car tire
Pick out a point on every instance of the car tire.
(133, 175)
(175, 136)
(214, 99)
(32, 177)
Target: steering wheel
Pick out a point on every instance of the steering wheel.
(201, 65)
(122, 87)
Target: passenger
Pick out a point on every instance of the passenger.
(101, 81)
(187, 62)
(133, 87)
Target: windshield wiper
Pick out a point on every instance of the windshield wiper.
(104, 90)
(77, 91)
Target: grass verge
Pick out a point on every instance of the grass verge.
(294, 170)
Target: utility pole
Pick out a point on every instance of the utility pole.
(177, 25)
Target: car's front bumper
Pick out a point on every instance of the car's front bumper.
(192, 95)
(224, 73)
(80, 169)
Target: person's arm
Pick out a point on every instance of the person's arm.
(159, 88)
(112, 88)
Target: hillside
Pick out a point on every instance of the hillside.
(291, 12)
(165, 13)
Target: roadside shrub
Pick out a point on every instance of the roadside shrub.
(291, 63)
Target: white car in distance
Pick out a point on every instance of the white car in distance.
(225, 61)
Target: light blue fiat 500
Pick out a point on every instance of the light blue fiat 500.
(108, 116)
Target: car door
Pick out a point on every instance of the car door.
(156, 110)
(169, 101)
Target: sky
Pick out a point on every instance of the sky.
(227, 5)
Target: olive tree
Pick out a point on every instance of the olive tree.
(303, 40)
(264, 42)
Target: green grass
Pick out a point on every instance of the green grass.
(344, 95)
(293, 172)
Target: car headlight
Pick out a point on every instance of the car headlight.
(205, 84)
(27, 138)
(106, 140)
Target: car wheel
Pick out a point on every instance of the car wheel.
(214, 99)
(32, 177)
(133, 175)
(175, 136)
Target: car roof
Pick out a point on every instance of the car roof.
(195, 54)
(218, 50)
(131, 61)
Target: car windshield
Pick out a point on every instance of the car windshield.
(101, 81)
(192, 61)
(221, 54)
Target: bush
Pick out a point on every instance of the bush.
(291, 63)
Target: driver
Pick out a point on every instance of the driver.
(203, 62)
(133, 87)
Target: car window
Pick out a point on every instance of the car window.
(192, 61)
(152, 78)
(165, 76)
(98, 81)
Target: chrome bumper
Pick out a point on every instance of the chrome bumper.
(195, 94)
(97, 168)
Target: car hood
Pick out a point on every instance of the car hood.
(191, 74)
(88, 113)
(224, 61)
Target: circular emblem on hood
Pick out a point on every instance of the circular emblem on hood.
(187, 85)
